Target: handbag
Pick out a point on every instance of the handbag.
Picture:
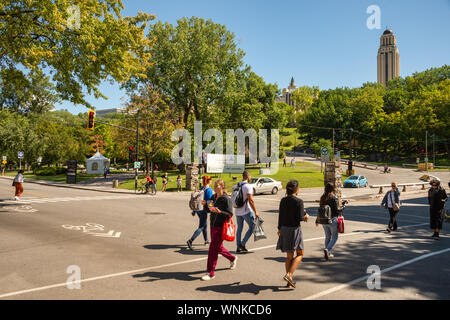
(341, 224)
(258, 230)
(229, 230)
(396, 207)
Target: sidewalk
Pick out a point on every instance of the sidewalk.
(106, 186)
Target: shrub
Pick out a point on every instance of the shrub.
(51, 171)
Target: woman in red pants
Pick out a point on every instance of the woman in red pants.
(221, 209)
(18, 183)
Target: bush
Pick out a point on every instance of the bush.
(288, 144)
(51, 171)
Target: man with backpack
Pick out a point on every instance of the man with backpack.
(245, 210)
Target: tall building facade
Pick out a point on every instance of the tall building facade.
(286, 94)
(388, 59)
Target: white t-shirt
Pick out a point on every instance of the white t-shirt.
(242, 211)
(18, 178)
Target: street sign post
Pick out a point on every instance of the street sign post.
(20, 156)
(137, 165)
(325, 156)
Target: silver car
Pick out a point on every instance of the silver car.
(263, 185)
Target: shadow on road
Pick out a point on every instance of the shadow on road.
(182, 249)
(238, 288)
(182, 276)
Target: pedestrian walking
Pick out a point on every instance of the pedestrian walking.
(203, 214)
(436, 199)
(293, 162)
(330, 199)
(246, 213)
(290, 236)
(165, 180)
(153, 186)
(179, 183)
(105, 172)
(18, 184)
(391, 201)
(284, 162)
(221, 211)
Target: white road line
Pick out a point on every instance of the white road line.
(162, 266)
(399, 218)
(345, 285)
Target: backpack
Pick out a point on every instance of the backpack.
(324, 215)
(195, 203)
(237, 196)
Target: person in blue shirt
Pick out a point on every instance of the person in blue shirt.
(203, 214)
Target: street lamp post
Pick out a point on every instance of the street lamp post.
(137, 151)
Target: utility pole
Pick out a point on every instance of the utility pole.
(332, 148)
(350, 163)
(426, 150)
(434, 153)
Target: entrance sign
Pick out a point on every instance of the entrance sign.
(225, 163)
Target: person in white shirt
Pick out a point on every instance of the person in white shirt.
(18, 183)
(245, 213)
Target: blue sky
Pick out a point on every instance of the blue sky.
(324, 43)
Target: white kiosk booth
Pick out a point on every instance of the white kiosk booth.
(97, 164)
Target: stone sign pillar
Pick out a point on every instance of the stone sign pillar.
(333, 175)
(192, 177)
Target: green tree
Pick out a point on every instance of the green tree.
(80, 46)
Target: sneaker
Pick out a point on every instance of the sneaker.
(388, 230)
(326, 255)
(207, 242)
(189, 244)
(238, 250)
(207, 277)
(330, 255)
(436, 236)
(233, 263)
(243, 248)
(16, 198)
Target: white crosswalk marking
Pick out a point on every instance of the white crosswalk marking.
(64, 199)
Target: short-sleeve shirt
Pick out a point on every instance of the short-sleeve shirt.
(245, 209)
(18, 178)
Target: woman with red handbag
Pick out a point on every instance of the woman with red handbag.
(221, 211)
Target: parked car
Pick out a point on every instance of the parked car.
(263, 185)
(356, 181)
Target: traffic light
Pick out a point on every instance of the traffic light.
(130, 155)
(90, 123)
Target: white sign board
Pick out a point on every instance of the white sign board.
(325, 153)
(4, 158)
(225, 163)
(20, 154)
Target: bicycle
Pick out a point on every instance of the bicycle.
(143, 188)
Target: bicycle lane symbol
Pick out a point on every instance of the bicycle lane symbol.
(90, 227)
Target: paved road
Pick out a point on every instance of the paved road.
(401, 175)
(140, 251)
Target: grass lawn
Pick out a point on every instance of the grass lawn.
(307, 174)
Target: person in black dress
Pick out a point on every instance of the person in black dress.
(290, 241)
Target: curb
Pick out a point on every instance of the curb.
(55, 184)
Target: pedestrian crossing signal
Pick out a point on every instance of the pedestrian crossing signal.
(91, 116)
